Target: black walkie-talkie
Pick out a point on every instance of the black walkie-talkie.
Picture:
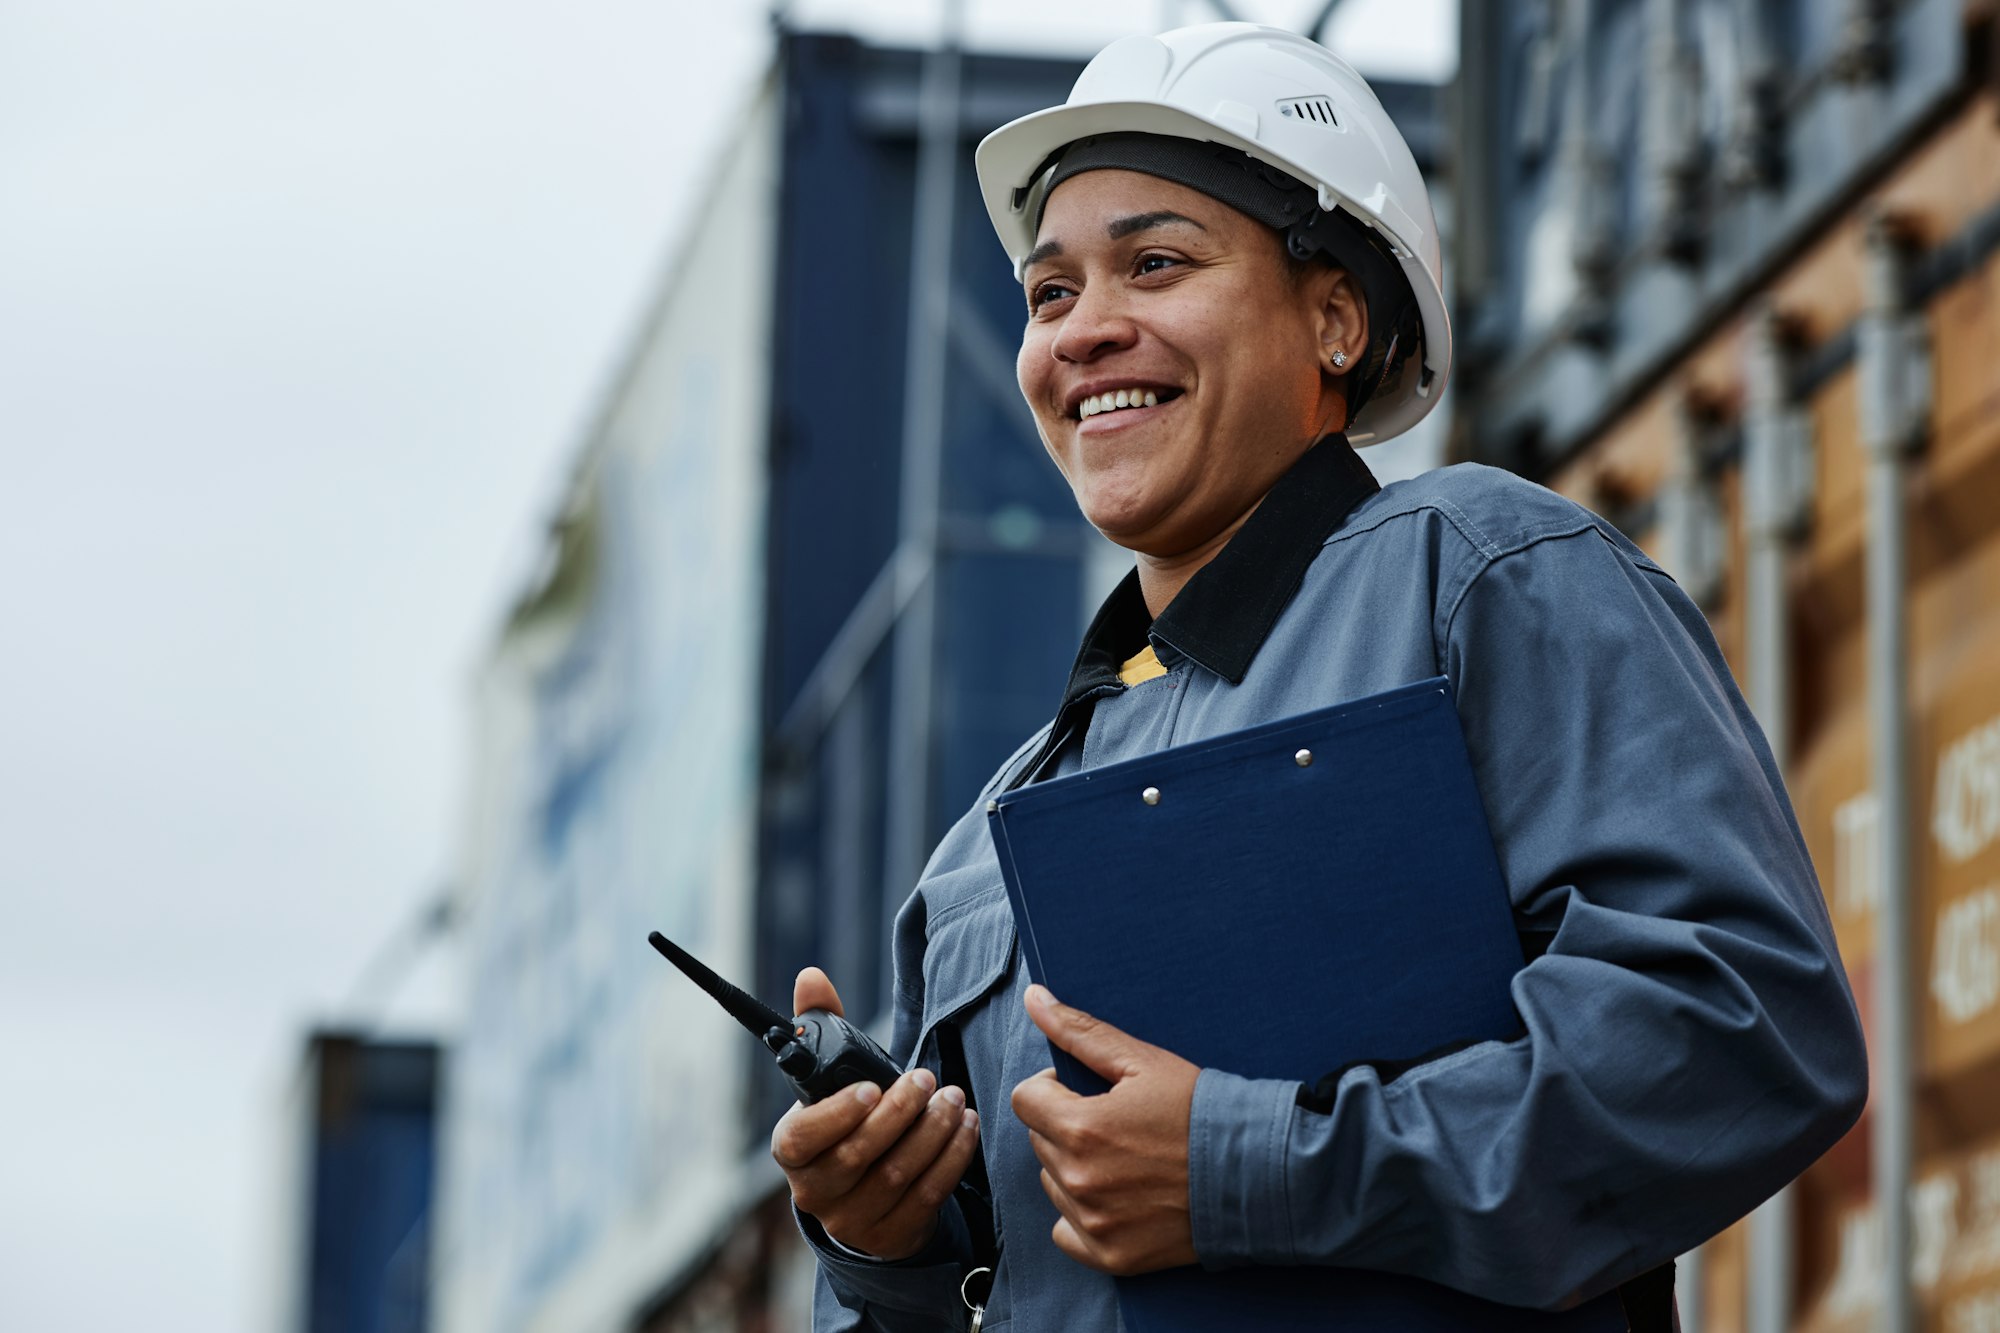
(819, 1051)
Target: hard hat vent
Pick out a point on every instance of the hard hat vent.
(1319, 109)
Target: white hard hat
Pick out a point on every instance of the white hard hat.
(1284, 100)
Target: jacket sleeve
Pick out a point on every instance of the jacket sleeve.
(919, 1294)
(914, 1295)
(1690, 1041)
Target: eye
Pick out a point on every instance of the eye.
(1154, 263)
(1043, 293)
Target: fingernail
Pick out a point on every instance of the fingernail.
(867, 1094)
(1046, 996)
(951, 1097)
(971, 1120)
(925, 1080)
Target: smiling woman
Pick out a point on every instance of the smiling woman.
(1143, 285)
(1231, 276)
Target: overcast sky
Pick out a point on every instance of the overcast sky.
(302, 307)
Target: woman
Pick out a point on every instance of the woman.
(1231, 277)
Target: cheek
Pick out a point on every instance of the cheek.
(1264, 370)
(1027, 367)
(1034, 363)
(1032, 368)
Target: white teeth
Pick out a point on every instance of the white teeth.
(1109, 402)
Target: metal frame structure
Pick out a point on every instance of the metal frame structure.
(1778, 476)
(915, 636)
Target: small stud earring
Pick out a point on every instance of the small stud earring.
(1339, 359)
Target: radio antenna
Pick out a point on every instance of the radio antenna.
(756, 1016)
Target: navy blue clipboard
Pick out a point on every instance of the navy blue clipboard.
(1321, 890)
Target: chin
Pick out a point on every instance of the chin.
(1123, 496)
(1124, 519)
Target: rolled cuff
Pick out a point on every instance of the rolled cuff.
(1238, 1133)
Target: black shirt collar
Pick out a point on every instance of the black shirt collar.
(1226, 611)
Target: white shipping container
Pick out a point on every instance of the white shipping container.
(592, 1135)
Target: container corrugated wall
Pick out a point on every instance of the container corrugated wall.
(1672, 341)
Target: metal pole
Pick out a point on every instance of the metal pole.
(1586, 173)
(1750, 149)
(1866, 38)
(924, 365)
(1691, 524)
(1691, 1290)
(1773, 510)
(1692, 540)
(1671, 132)
(1894, 381)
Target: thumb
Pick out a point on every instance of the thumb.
(1111, 1052)
(814, 991)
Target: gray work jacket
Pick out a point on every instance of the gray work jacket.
(1690, 1040)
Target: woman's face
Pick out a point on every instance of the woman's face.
(1142, 285)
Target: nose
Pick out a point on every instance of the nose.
(1098, 322)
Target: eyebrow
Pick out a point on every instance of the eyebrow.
(1123, 227)
(1118, 230)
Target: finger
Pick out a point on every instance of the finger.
(814, 990)
(1107, 1050)
(898, 1169)
(836, 1171)
(1049, 1153)
(932, 1188)
(1076, 1245)
(804, 1132)
(1042, 1102)
(1073, 1212)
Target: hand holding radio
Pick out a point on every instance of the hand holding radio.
(870, 1151)
(884, 1165)
(874, 1165)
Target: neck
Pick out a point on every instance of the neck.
(1161, 578)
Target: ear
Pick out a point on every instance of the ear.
(1343, 324)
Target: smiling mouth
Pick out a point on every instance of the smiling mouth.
(1122, 400)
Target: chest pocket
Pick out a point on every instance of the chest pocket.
(968, 949)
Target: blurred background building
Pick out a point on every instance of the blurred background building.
(1723, 270)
